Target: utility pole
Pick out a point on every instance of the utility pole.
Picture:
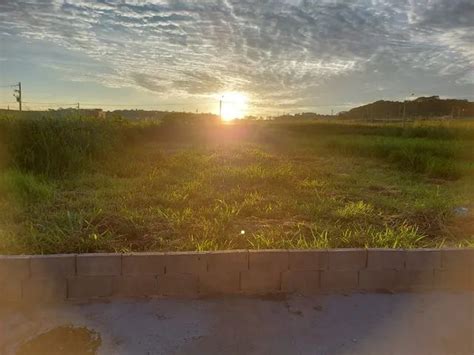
(17, 95)
(405, 109)
(404, 113)
(220, 107)
(78, 106)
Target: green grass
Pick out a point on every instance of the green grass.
(24, 187)
(139, 187)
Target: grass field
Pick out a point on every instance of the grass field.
(87, 185)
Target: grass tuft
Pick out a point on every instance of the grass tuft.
(355, 209)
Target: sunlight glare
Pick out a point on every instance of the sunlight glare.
(234, 106)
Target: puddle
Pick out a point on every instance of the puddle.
(63, 340)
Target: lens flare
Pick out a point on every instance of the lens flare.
(233, 105)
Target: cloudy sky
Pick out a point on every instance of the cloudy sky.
(285, 55)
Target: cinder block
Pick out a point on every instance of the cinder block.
(85, 287)
(268, 260)
(219, 282)
(457, 259)
(423, 259)
(47, 289)
(53, 265)
(305, 260)
(385, 259)
(186, 262)
(14, 267)
(374, 280)
(301, 282)
(334, 280)
(409, 280)
(10, 291)
(178, 284)
(143, 264)
(454, 279)
(228, 260)
(99, 264)
(347, 259)
(260, 282)
(135, 286)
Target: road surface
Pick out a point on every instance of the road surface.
(422, 323)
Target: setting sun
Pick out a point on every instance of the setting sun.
(233, 105)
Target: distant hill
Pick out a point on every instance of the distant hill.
(422, 107)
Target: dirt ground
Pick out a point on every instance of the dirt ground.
(423, 323)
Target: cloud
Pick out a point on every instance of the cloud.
(442, 14)
(148, 82)
(199, 82)
(272, 49)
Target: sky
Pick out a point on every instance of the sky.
(285, 56)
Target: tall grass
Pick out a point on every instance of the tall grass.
(429, 130)
(432, 157)
(55, 146)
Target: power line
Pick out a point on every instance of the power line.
(8, 86)
(51, 103)
(105, 105)
(164, 104)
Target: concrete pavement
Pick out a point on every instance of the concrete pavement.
(421, 323)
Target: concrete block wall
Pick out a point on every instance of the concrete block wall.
(53, 278)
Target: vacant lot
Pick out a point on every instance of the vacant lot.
(84, 185)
